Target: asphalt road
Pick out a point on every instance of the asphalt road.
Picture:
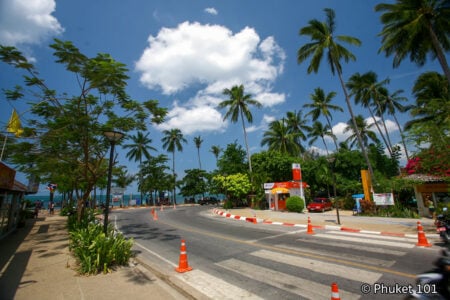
(240, 260)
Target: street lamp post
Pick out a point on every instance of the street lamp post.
(331, 160)
(113, 137)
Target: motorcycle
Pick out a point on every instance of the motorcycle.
(443, 226)
(434, 284)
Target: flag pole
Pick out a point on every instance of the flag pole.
(3, 147)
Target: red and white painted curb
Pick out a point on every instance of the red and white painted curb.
(326, 227)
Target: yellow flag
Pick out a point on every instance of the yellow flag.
(14, 125)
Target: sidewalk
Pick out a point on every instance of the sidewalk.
(35, 262)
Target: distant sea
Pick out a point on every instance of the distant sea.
(134, 199)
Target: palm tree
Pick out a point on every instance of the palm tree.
(364, 130)
(390, 103)
(297, 126)
(321, 106)
(416, 28)
(198, 142)
(123, 179)
(139, 148)
(366, 91)
(324, 40)
(215, 149)
(172, 141)
(319, 131)
(280, 139)
(238, 106)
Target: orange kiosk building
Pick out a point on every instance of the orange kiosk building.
(277, 193)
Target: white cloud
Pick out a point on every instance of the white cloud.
(210, 58)
(211, 10)
(27, 22)
(191, 120)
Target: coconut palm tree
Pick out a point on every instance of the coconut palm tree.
(238, 107)
(296, 125)
(366, 91)
(139, 149)
(364, 130)
(215, 149)
(319, 131)
(390, 104)
(324, 41)
(198, 142)
(278, 138)
(416, 28)
(172, 141)
(321, 106)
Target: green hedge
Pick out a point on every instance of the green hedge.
(295, 204)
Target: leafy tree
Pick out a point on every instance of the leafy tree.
(321, 106)
(235, 186)
(274, 165)
(324, 41)
(193, 182)
(238, 107)
(154, 175)
(67, 129)
(416, 28)
(232, 160)
(172, 141)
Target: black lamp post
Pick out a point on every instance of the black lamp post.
(331, 160)
(113, 137)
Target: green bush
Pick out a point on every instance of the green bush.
(228, 204)
(94, 250)
(295, 204)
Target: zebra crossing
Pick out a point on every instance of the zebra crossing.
(294, 276)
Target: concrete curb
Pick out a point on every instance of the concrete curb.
(326, 227)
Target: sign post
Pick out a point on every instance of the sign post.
(297, 176)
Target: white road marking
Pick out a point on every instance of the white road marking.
(365, 241)
(320, 266)
(292, 284)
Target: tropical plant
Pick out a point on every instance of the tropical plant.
(416, 28)
(238, 107)
(278, 138)
(324, 41)
(319, 131)
(215, 150)
(232, 160)
(139, 148)
(297, 126)
(198, 143)
(363, 128)
(321, 106)
(295, 204)
(172, 141)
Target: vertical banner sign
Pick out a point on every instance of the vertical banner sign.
(296, 172)
(366, 183)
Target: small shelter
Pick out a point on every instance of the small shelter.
(278, 192)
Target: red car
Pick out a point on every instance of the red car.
(320, 204)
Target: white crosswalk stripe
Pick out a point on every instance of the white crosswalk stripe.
(293, 284)
(366, 240)
(377, 237)
(351, 257)
(320, 266)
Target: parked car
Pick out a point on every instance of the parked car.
(208, 200)
(320, 204)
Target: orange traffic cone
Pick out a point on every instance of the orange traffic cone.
(155, 216)
(422, 239)
(335, 291)
(183, 263)
(310, 229)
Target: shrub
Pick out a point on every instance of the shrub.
(94, 250)
(295, 204)
(228, 204)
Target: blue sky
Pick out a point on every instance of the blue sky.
(184, 53)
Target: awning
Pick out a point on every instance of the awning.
(280, 191)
